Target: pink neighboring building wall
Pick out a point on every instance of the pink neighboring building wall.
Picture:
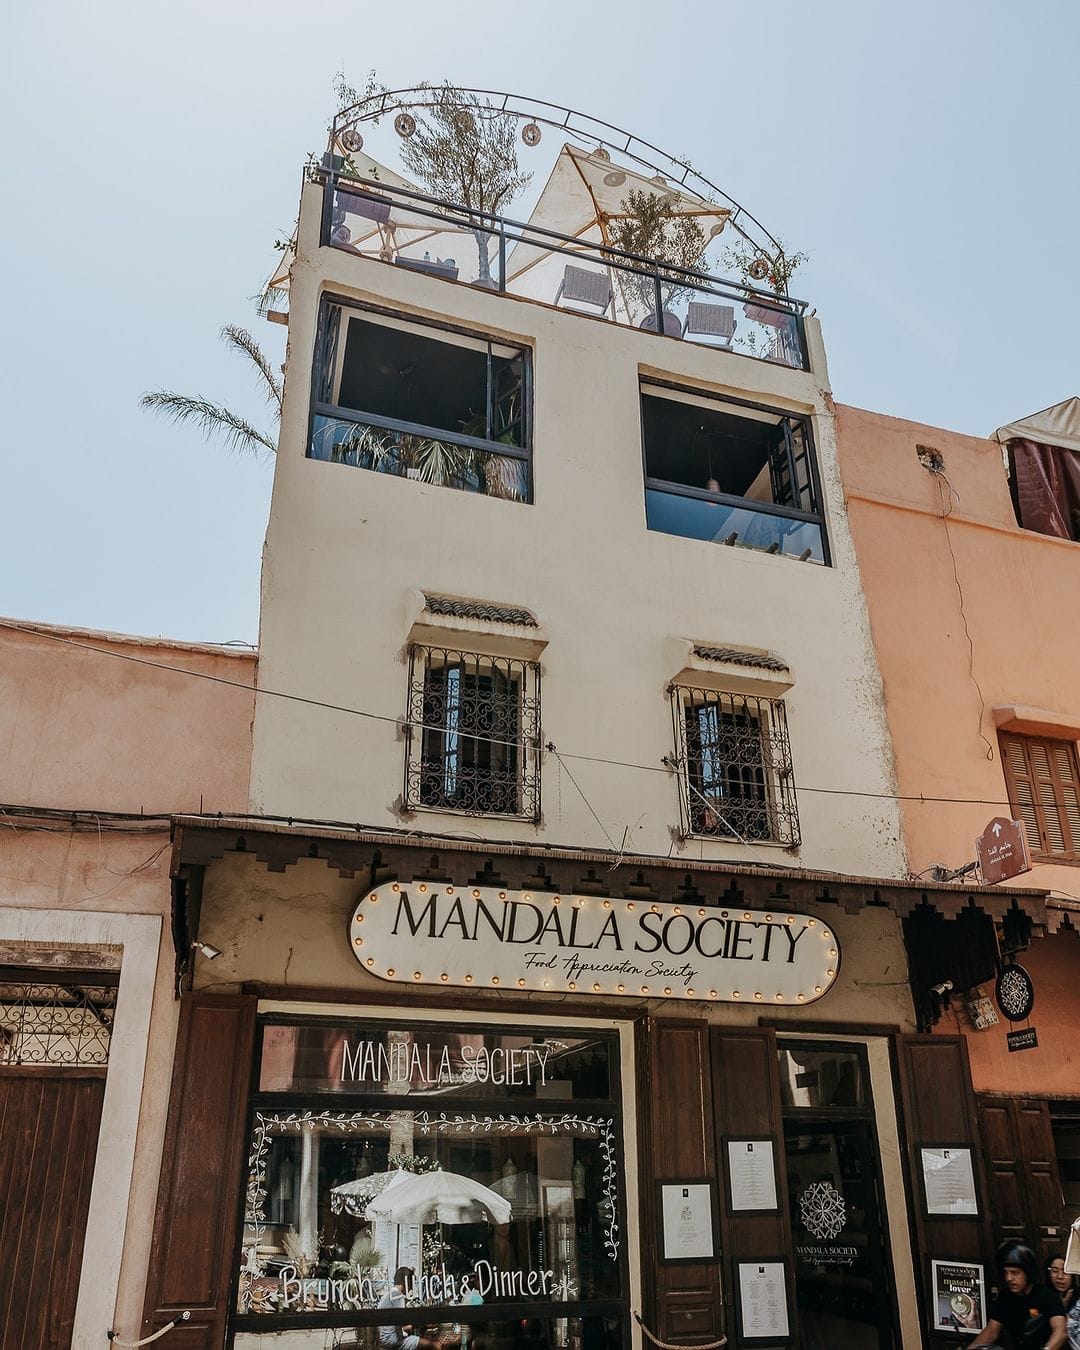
(975, 623)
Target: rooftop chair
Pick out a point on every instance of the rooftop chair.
(583, 286)
(710, 321)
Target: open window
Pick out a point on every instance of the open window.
(731, 472)
(441, 406)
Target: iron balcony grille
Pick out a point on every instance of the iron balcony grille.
(54, 1024)
(734, 765)
(472, 734)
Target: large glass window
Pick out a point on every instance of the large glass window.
(441, 407)
(459, 1186)
(732, 473)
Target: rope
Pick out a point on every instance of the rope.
(668, 1345)
(180, 1317)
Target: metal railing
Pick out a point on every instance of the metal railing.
(408, 229)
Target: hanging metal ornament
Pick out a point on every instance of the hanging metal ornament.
(759, 268)
(530, 134)
(601, 153)
(341, 235)
(351, 140)
(405, 125)
(615, 178)
(718, 228)
(1015, 993)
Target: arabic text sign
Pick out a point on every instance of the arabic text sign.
(483, 937)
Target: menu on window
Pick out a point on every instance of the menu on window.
(763, 1300)
(751, 1174)
(687, 1221)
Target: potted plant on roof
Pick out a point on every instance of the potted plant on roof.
(463, 150)
(648, 227)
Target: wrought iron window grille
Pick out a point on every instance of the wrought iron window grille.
(60, 1025)
(472, 734)
(733, 759)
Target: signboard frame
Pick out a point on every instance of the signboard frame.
(700, 1195)
(926, 1153)
(779, 1261)
(938, 1322)
(730, 1142)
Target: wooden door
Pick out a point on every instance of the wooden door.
(939, 1111)
(746, 1106)
(1026, 1202)
(49, 1122)
(194, 1255)
(683, 1301)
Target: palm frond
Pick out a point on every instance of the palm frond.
(240, 340)
(211, 418)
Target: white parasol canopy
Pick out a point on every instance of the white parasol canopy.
(353, 1197)
(1059, 425)
(438, 1197)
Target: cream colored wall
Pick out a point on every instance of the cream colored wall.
(291, 928)
(347, 549)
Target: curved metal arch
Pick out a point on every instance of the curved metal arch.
(590, 130)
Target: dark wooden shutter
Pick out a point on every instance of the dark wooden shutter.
(939, 1109)
(194, 1251)
(49, 1122)
(682, 1301)
(1025, 1189)
(746, 1096)
(1044, 791)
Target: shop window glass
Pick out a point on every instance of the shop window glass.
(822, 1078)
(421, 1202)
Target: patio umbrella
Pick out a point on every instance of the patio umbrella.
(353, 1197)
(438, 1197)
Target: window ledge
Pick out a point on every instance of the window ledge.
(1036, 721)
(493, 637)
(742, 669)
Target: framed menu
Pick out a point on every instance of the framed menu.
(687, 1220)
(751, 1172)
(763, 1306)
(949, 1181)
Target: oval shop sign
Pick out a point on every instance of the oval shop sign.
(475, 937)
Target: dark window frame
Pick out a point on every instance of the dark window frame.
(1032, 812)
(656, 388)
(768, 812)
(486, 750)
(330, 333)
(608, 1307)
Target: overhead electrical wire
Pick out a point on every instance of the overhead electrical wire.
(262, 691)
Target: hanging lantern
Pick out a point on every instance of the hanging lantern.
(405, 125)
(351, 140)
(530, 134)
(341, 235)
(759, 268)
(601, 153)
(615, 178)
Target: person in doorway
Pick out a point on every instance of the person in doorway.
(405, 1337)
(1027, 1313)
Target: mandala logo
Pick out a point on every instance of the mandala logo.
(822, 1210)
(1015, 993)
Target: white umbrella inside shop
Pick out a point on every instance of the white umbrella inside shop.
(353, 1197)
(439, 1197)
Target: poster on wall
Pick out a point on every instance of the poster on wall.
(949, 1181)
(751, 1176)
(686, 1209)
(959, 1296)
(763, 1310)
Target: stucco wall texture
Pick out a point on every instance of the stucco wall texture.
(975, 626)
(349, 551)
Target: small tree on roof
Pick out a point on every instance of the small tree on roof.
(464, 150)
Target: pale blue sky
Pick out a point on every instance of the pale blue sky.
(924, 154)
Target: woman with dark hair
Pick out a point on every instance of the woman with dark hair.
(1029, 1313)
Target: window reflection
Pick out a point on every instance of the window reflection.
(821, 1078)
(435, 1062)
